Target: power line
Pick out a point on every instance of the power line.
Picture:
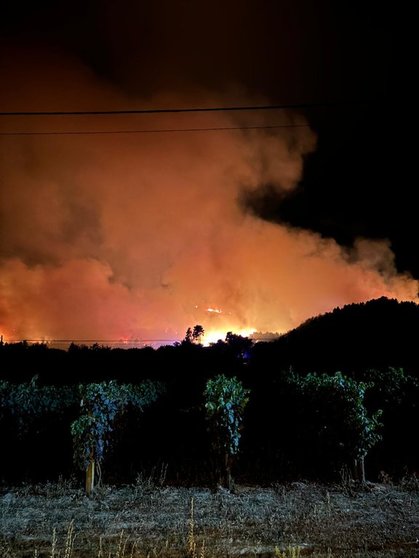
(114, 343)
(148, 131)
(291, 106)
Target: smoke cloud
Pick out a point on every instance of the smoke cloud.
(138, 235)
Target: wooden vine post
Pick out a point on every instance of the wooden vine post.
(90, 477)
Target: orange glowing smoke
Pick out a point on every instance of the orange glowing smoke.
(141, 236)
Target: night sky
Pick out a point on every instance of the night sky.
(138, 236)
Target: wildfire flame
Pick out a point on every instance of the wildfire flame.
(214, 335)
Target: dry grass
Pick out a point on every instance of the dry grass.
(140, 521)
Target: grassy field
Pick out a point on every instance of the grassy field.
(141, 520)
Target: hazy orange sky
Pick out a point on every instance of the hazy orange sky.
(138, 235)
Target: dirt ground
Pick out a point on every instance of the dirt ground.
(140, 521)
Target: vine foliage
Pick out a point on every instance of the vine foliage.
(225, 402)
(337, 415)
(27, 402)
(100, 405)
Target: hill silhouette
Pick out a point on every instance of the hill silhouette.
(379, 333)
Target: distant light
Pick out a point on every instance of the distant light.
(213, 336)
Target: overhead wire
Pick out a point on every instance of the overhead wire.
(173, 110)
(151, 111)
(148, 131)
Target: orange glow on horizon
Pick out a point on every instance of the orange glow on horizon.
(212, 336)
